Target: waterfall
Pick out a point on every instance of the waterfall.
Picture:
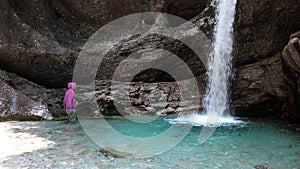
(216, 101)
(13, 106)
(219, 66)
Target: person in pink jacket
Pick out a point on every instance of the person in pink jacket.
(69, 101)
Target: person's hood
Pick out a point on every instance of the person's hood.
(71, 85)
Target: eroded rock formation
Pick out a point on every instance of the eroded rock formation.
(40, 40)
(15, 105)
(262, 31)
(291, 69)
(21, 97)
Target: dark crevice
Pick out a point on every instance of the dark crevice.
(153, 76)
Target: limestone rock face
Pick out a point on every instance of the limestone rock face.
(23, 99)
(291, 70)
(263, 28)
(40, 40)
(259, 88)
(162, 98)
(16, 106)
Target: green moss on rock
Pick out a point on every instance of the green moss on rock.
(208, 19)
(21, 118)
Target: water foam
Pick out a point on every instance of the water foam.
(206, 120)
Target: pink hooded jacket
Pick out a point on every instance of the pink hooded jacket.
(69, 100)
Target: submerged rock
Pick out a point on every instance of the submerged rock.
(262, 166)
(107, 151)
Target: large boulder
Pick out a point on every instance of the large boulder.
(291, 69)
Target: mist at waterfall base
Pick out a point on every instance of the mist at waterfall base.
(216, 102)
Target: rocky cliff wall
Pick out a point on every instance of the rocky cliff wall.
(40, 40)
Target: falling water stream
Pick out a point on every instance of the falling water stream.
(216, 102)
(220, 67)
(13, 106)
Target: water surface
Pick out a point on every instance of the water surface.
(52, 144)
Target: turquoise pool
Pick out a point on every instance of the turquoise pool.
(55, 144)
